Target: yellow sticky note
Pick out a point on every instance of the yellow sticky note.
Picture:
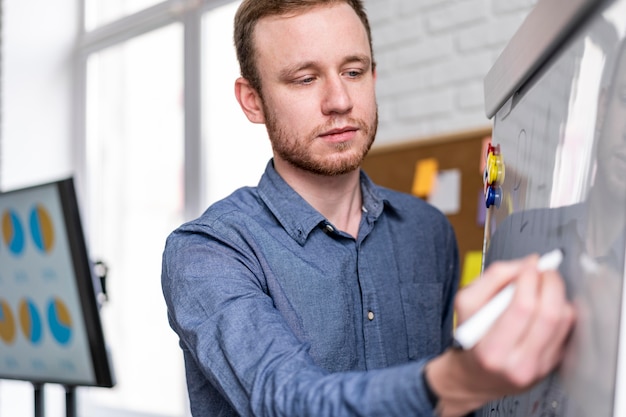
(425, 177)
(472, 267)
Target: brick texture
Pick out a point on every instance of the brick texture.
(433, 56)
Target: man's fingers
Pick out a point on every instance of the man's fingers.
(495, 278)
(527, 341)
(551, 324)
(500, 344)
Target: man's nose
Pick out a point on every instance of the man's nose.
(336, 96)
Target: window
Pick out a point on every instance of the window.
(163, 135)
(225, 128)
(135, 150)
(100, 12)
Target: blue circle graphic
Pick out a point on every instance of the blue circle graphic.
(59, 321)
(13, 232)
(41, 228)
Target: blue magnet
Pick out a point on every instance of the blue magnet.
(493, 196)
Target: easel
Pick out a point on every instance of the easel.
(70, 400)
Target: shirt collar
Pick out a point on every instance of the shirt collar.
(297, 216)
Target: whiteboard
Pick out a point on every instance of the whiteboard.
(562, 139)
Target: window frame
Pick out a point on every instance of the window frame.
(189, 14)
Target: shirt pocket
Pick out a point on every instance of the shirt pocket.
(422, 305)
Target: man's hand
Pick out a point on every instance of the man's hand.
(523, 346)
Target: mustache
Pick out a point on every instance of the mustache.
(341, 123)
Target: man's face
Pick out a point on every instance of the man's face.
(318, 89)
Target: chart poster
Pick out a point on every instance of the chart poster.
(49, 323)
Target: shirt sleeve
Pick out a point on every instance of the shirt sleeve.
(451, 283)
(243, 347)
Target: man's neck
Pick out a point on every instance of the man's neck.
(338, 198)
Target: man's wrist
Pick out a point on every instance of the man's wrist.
(448, 378)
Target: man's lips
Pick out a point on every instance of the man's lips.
(339, 134)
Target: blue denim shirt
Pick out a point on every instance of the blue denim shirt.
(281, 314)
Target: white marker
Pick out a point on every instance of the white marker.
(474, 328)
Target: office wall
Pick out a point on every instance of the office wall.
(433, 56)
(36, 125)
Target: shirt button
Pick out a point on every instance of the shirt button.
(370, 315)
(329, 228)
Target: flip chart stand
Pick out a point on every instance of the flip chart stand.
(70, 400)
(39, 399)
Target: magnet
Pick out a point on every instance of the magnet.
(493, 176)
(493, 150)
(494, 167)
(493, 196)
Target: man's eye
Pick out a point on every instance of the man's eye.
(353, 73)
(305, 80)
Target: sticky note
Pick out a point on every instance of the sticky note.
(425, 177)
(472, 267)
(446, 193)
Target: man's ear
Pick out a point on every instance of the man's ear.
(249, 100)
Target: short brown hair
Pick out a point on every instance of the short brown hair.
(251, 11)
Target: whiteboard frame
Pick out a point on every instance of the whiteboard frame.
(545, 28)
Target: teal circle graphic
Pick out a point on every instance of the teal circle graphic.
(13, 232)
(60, 321)
(41, 228)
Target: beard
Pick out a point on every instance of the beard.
(346, 156)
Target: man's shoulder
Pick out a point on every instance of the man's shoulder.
(235, 208)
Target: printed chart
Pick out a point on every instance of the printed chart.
(43, 330)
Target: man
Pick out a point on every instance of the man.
(318, 293)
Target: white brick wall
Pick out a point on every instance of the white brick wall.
(432, 57)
